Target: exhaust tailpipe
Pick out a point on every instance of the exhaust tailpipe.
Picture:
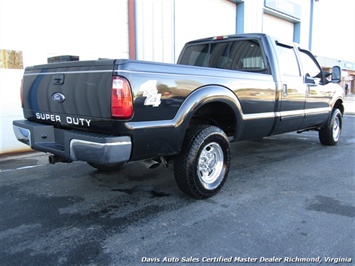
(52, 159)
(150, 163)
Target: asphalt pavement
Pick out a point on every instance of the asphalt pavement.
(287, 200)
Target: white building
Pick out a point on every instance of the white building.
(155, 30)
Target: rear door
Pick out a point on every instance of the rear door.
(293, 90)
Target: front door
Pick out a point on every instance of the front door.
(318, 95)
(292, 92)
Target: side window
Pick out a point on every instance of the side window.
(247, 56)
(288, 61)
(309, 66)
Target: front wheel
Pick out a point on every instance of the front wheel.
(330, 134)
(202, 166)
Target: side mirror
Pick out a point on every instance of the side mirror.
(309, 80)
(336, 74)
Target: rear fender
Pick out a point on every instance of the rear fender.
(203, 96)
(174, 130)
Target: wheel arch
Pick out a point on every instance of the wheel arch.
(339, 105)
(213, 105)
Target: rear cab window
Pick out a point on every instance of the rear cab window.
(242, 55)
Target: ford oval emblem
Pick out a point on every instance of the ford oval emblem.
(58, 97)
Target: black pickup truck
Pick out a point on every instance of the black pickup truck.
(222, 89)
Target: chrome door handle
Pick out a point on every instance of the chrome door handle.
(284, 89)
(308, 90)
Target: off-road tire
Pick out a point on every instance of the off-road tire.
(330, 134)
(202, 166)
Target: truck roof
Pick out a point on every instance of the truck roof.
(232, 36)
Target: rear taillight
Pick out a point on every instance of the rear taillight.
(121, 99)
(21, 93)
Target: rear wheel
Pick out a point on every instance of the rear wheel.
(330, 134)
(202, 166)
(106, 167)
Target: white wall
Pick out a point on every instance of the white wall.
(155, 30)
(253, 16)
(164, 26)
(90, 29)
(43, 28)
(10, 109)
(196, 19)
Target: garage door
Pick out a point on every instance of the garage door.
(278, 27)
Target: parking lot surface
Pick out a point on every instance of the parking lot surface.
(288, 199)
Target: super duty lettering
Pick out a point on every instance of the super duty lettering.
(222, 90)
(69, 120)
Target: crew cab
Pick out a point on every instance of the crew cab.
(222, 90)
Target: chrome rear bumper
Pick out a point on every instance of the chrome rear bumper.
(74, 145)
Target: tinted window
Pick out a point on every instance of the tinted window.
(247, 56)
(196, 55)
(242, 55)
(308, 65)
(288, 61)
(219, 55)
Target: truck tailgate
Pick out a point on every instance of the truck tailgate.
(68, 94)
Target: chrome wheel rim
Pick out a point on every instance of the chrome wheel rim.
(210, 169)
(336, 129)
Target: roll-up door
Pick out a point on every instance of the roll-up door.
(278, 27)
